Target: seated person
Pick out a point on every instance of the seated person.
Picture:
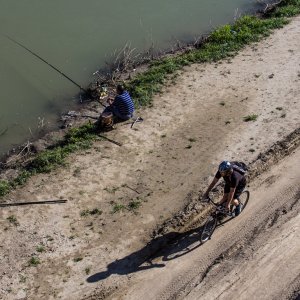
(122, 106)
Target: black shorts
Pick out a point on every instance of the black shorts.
(237, 192)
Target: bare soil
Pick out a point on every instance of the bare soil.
(148, 190)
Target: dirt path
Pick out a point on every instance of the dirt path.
(163, 164)
(251, 257)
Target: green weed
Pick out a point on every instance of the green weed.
(33, 262)
(118, 207)
(77, 259)
(134, 204)
(4, 187)
(192, 140)
(87, 212)
(13, 219)
(249, 118)
(40, 249)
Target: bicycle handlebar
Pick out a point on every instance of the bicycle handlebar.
(219, 208)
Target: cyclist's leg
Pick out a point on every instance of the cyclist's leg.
(225, 195)
(236, 197)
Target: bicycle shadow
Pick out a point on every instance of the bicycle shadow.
(186, 242)
(136, 261)
(169, 246)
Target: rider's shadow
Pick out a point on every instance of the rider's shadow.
(174, 244)
(136, 261)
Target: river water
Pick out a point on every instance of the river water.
(78, 37)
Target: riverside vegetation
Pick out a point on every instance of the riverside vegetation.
(222, 43)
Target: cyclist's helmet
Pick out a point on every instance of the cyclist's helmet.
(225, 166)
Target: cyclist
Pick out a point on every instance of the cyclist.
(235, 183)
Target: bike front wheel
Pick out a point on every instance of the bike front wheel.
(208, 229)
(243, 199)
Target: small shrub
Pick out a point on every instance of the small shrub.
(249, 118)
(134, 204)
(77, 259)
(192, 140)
(95, 211)
(4, 187)
(87, 212)
(21, 178)
(283, 115)
(40, 249)
(222, 103)
(13, 219)
(34, 261)
(118, 207)
(87, 271)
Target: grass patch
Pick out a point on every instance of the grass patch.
(134, 205)
(33, 262)
(192, 140)
(13, 219)
(92, 212)
(250, 118)
(40, 249)
(4, 187)
(117, 208)
(223, 42)
(77, 259)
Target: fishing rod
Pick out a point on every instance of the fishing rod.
(36, 55)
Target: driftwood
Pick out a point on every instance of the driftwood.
(270, 6)
(34, 202)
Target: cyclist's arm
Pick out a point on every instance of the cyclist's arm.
(210, 187)
(230, 197)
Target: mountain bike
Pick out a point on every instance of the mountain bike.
(220, 216)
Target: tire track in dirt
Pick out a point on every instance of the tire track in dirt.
(260, 217)
(230, 245)
(258, 247)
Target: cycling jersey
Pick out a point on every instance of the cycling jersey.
(234, 180)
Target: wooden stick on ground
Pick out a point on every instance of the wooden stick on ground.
(110, 140)
(34, 202)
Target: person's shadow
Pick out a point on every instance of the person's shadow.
(168, 246)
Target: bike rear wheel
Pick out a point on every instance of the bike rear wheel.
(244, 198)
(208, 229)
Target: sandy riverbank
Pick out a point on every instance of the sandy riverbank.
(163, 164)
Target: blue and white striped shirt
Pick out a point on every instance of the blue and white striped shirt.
(124, 104)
